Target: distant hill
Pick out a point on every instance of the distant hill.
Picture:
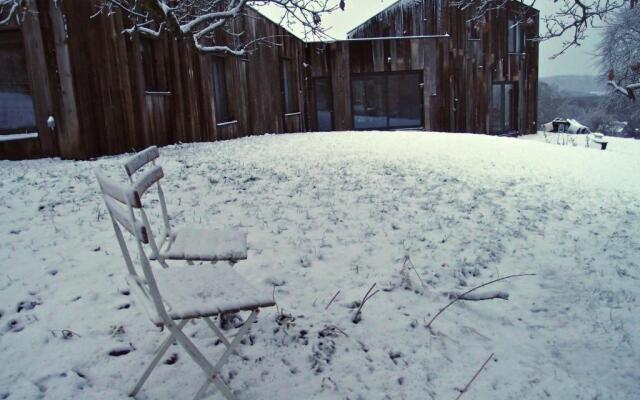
(577, 85)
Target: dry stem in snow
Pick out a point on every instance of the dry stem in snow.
(468, 385)
(358, 315)
(461, 297)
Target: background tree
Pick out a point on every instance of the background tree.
(571, 19)
(619, 52)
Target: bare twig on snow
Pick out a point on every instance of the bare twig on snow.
(464, 390)
(428, 325)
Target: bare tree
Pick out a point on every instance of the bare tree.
(9, 9)
(620, 52)
(200, 20)
(570, 20)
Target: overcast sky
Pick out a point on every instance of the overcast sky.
(577, 61)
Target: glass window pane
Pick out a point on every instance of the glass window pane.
(289, 88)
(508, 101)
(369, 102)
(515, 37)
(16, 104)
(405, 100)
(497, 104)
(220, 98)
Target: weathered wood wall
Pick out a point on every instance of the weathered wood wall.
(467, 68)
(90, 77)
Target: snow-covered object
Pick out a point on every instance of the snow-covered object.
(18, 136)
(561, 125)
(354, 205)
(599, 139)
(196, 291)
(150, 176)
(139, 159)
(577, 128)
(193, 243)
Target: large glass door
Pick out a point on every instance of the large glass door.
(387, 100)
(405, 100)
(369, 102)
(504, 107)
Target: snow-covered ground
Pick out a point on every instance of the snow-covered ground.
(341, 211)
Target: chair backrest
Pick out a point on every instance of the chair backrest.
(121, 201)
(140, 159)
(144, 179)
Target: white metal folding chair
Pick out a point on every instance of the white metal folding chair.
(173, 296)
(190, 243)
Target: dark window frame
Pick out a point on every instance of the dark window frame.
(24, 87)
(288, 83)
(511, 106)
(220, 90)
(515, 34)
(385, 74)
(153, 84)
(327, 80)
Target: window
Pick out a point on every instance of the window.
(369, 102)
(516, 36)
(504, 107)
(17, 114)
(153, 65)
(387, 100)
(324, 104)
(289, 92)
(220, 97)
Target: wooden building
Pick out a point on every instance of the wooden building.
(424, 64)
(73, 85)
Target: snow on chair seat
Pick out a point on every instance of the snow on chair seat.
(197, 244)
(191, 243)
(195, 292)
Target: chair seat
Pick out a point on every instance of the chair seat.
(197, 244)
(205, 291)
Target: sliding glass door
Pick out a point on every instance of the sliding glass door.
(504, 107)
(390, 100)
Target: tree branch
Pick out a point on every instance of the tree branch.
(460, 297)
(9, 8)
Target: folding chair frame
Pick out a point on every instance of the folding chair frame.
(132, 166)
(116, 197)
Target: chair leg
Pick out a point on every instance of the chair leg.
(223, 359)
(219, 384)
(217, 331)
(159, 353)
